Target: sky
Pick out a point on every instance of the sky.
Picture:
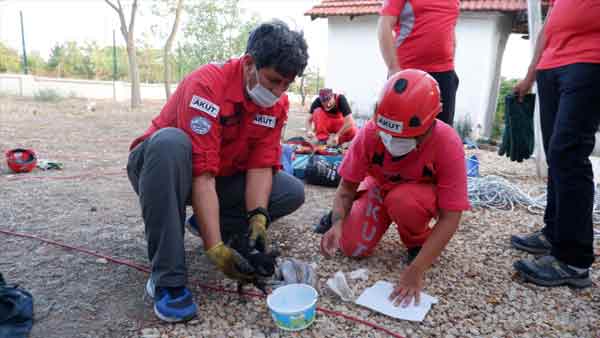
(48, 22)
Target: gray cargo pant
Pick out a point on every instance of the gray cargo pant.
(160, 171)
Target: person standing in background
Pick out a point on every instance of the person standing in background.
(566, 66)
(420, 34)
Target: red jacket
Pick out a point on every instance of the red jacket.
(229, 133)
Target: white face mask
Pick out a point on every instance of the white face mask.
(397, 146)
(261, 95)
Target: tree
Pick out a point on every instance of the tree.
(36, 64)
(56, 62)
(9, 60)
(215, 31)
(308, 84)
(168, 46)
(149, 62)
(127, 31)
(102, 58)
(70, 60)
(302, 90)
(506, 87)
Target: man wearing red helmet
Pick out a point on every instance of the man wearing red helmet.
(331, 114)
(420, 34)
(405, 167)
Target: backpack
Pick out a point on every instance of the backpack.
(16, 311)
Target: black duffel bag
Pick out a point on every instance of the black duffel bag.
(320, 171)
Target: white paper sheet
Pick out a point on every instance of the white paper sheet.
(376, 298)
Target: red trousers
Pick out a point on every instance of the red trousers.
(411, 206)
(326, 124)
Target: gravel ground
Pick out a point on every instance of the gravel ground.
(90, 204)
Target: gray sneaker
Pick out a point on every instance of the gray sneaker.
(535, 243)
(549, 271)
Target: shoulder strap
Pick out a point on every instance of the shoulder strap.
(378, 154)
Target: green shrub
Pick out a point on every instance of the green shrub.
(464, 127)
(506, 87)
(47, 95)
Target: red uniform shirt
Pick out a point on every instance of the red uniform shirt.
(229, 133)
(424, 32)
(439, 160)
(572, 34)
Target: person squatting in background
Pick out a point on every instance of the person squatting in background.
(331, 114)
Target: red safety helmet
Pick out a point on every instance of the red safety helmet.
(21, 160)
(408, 104)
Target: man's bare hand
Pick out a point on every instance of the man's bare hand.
(408, 288)
(522, 88)
(330, 242)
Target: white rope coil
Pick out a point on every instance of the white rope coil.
(495, 192)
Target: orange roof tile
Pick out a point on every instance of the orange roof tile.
(368, 7)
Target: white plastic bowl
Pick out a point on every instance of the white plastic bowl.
(293, 307)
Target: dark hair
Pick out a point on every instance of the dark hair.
(325, 94)
(273, 44)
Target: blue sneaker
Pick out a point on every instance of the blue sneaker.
(172, 308)
(549, 271)
(192, 226)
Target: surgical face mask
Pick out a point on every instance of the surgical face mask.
(397, 146)
(261, 95)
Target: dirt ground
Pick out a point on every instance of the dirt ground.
(90, 204)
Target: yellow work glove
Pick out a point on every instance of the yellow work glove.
(258, 232)
(230, 262)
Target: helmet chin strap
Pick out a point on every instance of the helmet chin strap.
(423, 137)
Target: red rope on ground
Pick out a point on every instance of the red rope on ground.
(204, 286)
(21, 177)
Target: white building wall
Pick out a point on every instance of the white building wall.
(354, 65)
(356, 68)
(481, 39)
